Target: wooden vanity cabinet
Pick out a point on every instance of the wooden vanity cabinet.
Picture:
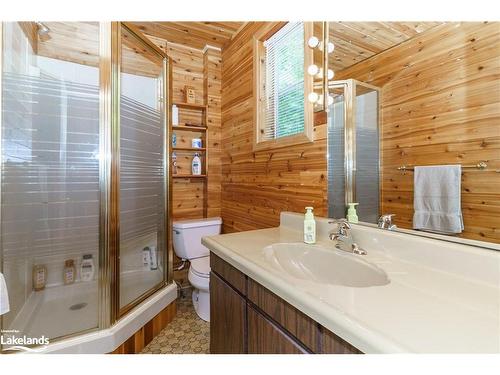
(245, 317)
(265, 337)
(227, 318)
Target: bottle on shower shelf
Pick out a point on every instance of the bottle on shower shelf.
(69, 273)
(39, 277)
(196, 164)
(87, 268)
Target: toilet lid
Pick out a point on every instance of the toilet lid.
(201, 266)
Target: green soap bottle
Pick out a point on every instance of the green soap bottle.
(352, 216)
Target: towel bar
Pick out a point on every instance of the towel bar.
(481, 165)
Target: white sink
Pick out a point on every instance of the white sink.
(324, 265)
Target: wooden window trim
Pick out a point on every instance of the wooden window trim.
(259, 95)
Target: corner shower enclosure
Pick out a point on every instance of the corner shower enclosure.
(353, 149)
(84, 173)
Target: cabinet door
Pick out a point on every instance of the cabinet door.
(264, 337)
(227, 318)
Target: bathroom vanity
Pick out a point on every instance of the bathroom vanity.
(248, 318)
(272, 294)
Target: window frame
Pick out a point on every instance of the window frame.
(259, 95)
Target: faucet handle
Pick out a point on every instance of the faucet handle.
(342, 224)
(385, 220)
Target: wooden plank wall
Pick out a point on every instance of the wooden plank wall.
(257, 186)
(440, 104)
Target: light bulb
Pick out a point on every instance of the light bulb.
(313, 42)
(313, 97)
(312, 70)
(330, 100)
(331, 74)
(331, 47)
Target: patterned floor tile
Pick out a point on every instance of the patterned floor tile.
(186, 334)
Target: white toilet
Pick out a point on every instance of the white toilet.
(187, 236)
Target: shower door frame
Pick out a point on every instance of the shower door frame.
(349, 87)
(110, 225)
(109, 121)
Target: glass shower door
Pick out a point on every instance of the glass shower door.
(142, 170)
(353, 149)
(50, 176)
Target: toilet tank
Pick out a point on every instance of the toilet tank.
(187, 236)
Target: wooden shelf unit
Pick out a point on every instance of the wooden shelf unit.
(188, 128)
(193, 149)
(202, 150)
(190, 105)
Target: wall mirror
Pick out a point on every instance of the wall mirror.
(407, 95)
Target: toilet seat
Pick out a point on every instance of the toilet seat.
(201, 266)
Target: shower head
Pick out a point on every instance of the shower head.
(42, 28)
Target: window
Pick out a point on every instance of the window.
(283, 116)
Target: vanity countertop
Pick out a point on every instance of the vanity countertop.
(433, 303)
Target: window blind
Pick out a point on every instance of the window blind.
(284, 82)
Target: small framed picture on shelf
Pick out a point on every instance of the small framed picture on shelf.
(190, 94)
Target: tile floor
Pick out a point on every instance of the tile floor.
(186, 334)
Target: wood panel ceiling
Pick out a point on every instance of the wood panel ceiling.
(357, 41)
(354, 41)
(193, 34)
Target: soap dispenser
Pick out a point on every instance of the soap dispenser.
(352, 216)
(309, 226)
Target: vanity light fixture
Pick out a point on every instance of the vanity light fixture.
(331, 47)
(330, 100)
(313, 97)
(313, 42)
(313, 69)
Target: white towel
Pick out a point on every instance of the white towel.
(436, 199)
(4, 296)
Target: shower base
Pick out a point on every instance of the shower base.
(65, 310)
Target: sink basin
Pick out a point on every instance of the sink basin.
(324, 265)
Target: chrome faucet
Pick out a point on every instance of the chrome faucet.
(385, 222)
(344, 238)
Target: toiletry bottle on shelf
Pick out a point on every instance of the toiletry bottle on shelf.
(309, 226)
(196, 164)
(87, 268)
(153, 260)
(69, 273)
(196, 143)
(174, 140)
(352, 216)
(175, 115)
(39, 277)
(146, 258)
(174, 163)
